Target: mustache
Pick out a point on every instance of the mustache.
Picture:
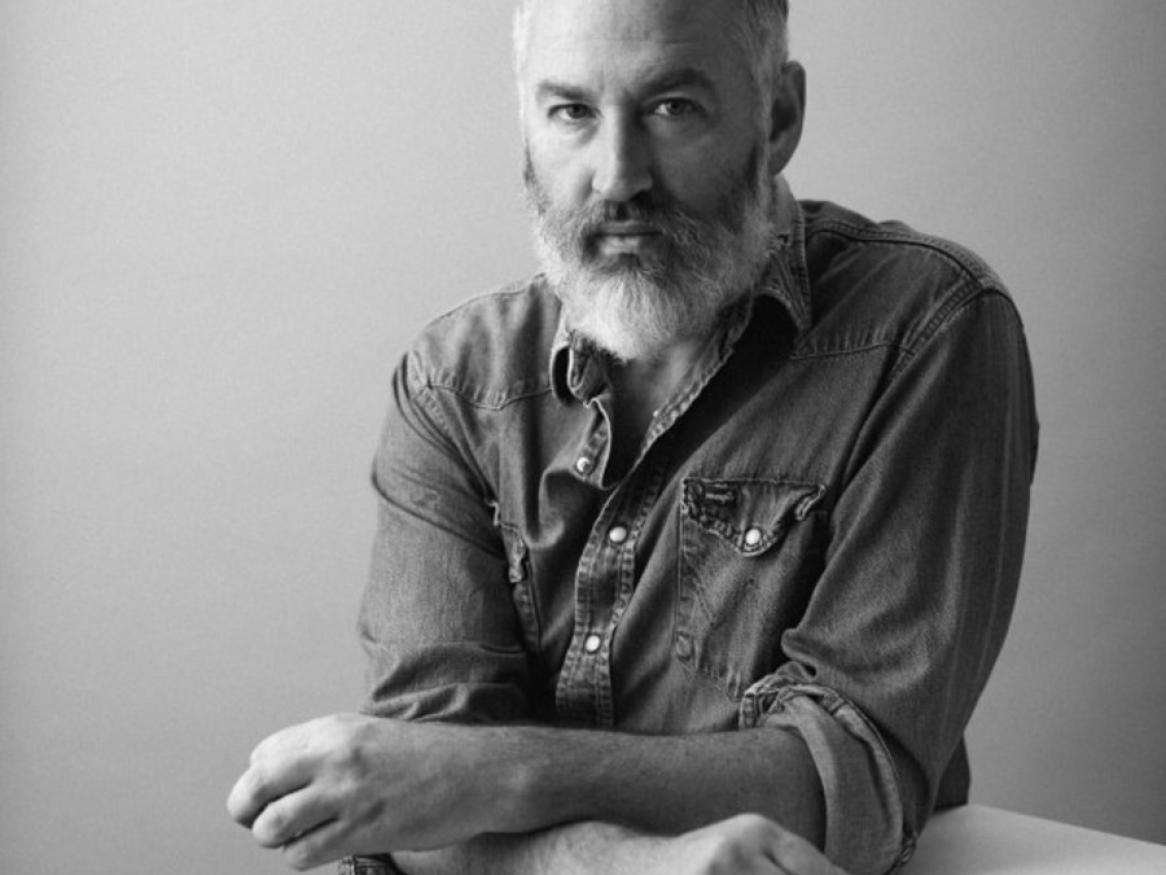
(577, 229)
(578, 226)
(669, 220)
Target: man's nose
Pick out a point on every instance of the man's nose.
(624, 164)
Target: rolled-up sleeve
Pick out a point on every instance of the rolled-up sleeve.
(437, 620)
(921, 572)
(864, 812)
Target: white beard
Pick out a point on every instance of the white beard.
(634, 316)
(636, 310)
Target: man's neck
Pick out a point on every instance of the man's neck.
(640, 388)
(649, 383)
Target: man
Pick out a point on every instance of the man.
(696, 550)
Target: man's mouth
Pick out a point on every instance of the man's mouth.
(630, 236)
(627, 229)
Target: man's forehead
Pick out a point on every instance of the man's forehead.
(563, 21)
(567, 33)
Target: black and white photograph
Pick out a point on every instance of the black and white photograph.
(553, 437)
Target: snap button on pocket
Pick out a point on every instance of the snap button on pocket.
(751, 515)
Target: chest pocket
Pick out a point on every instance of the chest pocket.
(750, 551)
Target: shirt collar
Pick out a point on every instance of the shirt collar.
(786, 280)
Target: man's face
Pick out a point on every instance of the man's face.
(646, 166)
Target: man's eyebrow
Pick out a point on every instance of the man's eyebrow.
(684, 77)
(549, 88)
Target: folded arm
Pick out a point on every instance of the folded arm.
(355, 784)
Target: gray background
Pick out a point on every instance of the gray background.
(221, 221)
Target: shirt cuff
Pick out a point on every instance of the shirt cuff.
(865, 832)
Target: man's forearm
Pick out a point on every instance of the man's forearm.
(638, 786)
(667, 784)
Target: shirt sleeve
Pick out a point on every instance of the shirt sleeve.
(437, 619)
(926, 543)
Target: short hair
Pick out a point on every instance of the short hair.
(761, 29)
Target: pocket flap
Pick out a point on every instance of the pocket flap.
(751, 514)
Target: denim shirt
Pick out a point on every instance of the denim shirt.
(822, 532)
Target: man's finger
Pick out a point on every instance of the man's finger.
(291, 817)
(263, 783)
(316, 847)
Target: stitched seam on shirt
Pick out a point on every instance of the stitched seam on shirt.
(945, 319)
(965, 261)
(452, 383)
(441, 431)
(853, 350)
(977, 277)
(515, 289)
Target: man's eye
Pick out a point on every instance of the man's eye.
(675, 107)
(571, 112)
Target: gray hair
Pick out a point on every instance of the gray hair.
(761, 29)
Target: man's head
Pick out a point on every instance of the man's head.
(653, 129)
(760, 28)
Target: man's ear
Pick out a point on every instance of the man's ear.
(787, 111)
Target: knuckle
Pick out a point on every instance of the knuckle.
(331, 738)
(338, 725)
(757, 829)
(352, 749)
(750, 822)
(260, 752)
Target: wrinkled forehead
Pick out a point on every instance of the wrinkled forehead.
(632, 19)
(579, 39)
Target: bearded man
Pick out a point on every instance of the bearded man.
(695, 550)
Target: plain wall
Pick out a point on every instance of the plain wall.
(220, 222)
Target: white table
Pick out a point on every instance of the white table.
(978, 840)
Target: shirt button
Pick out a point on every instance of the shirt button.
(617, 534)
(584, 465)
(593, 643)
(753, 538)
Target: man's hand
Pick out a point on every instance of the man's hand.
(352, 784)
(747, 844)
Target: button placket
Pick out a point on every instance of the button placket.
(604, 588)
